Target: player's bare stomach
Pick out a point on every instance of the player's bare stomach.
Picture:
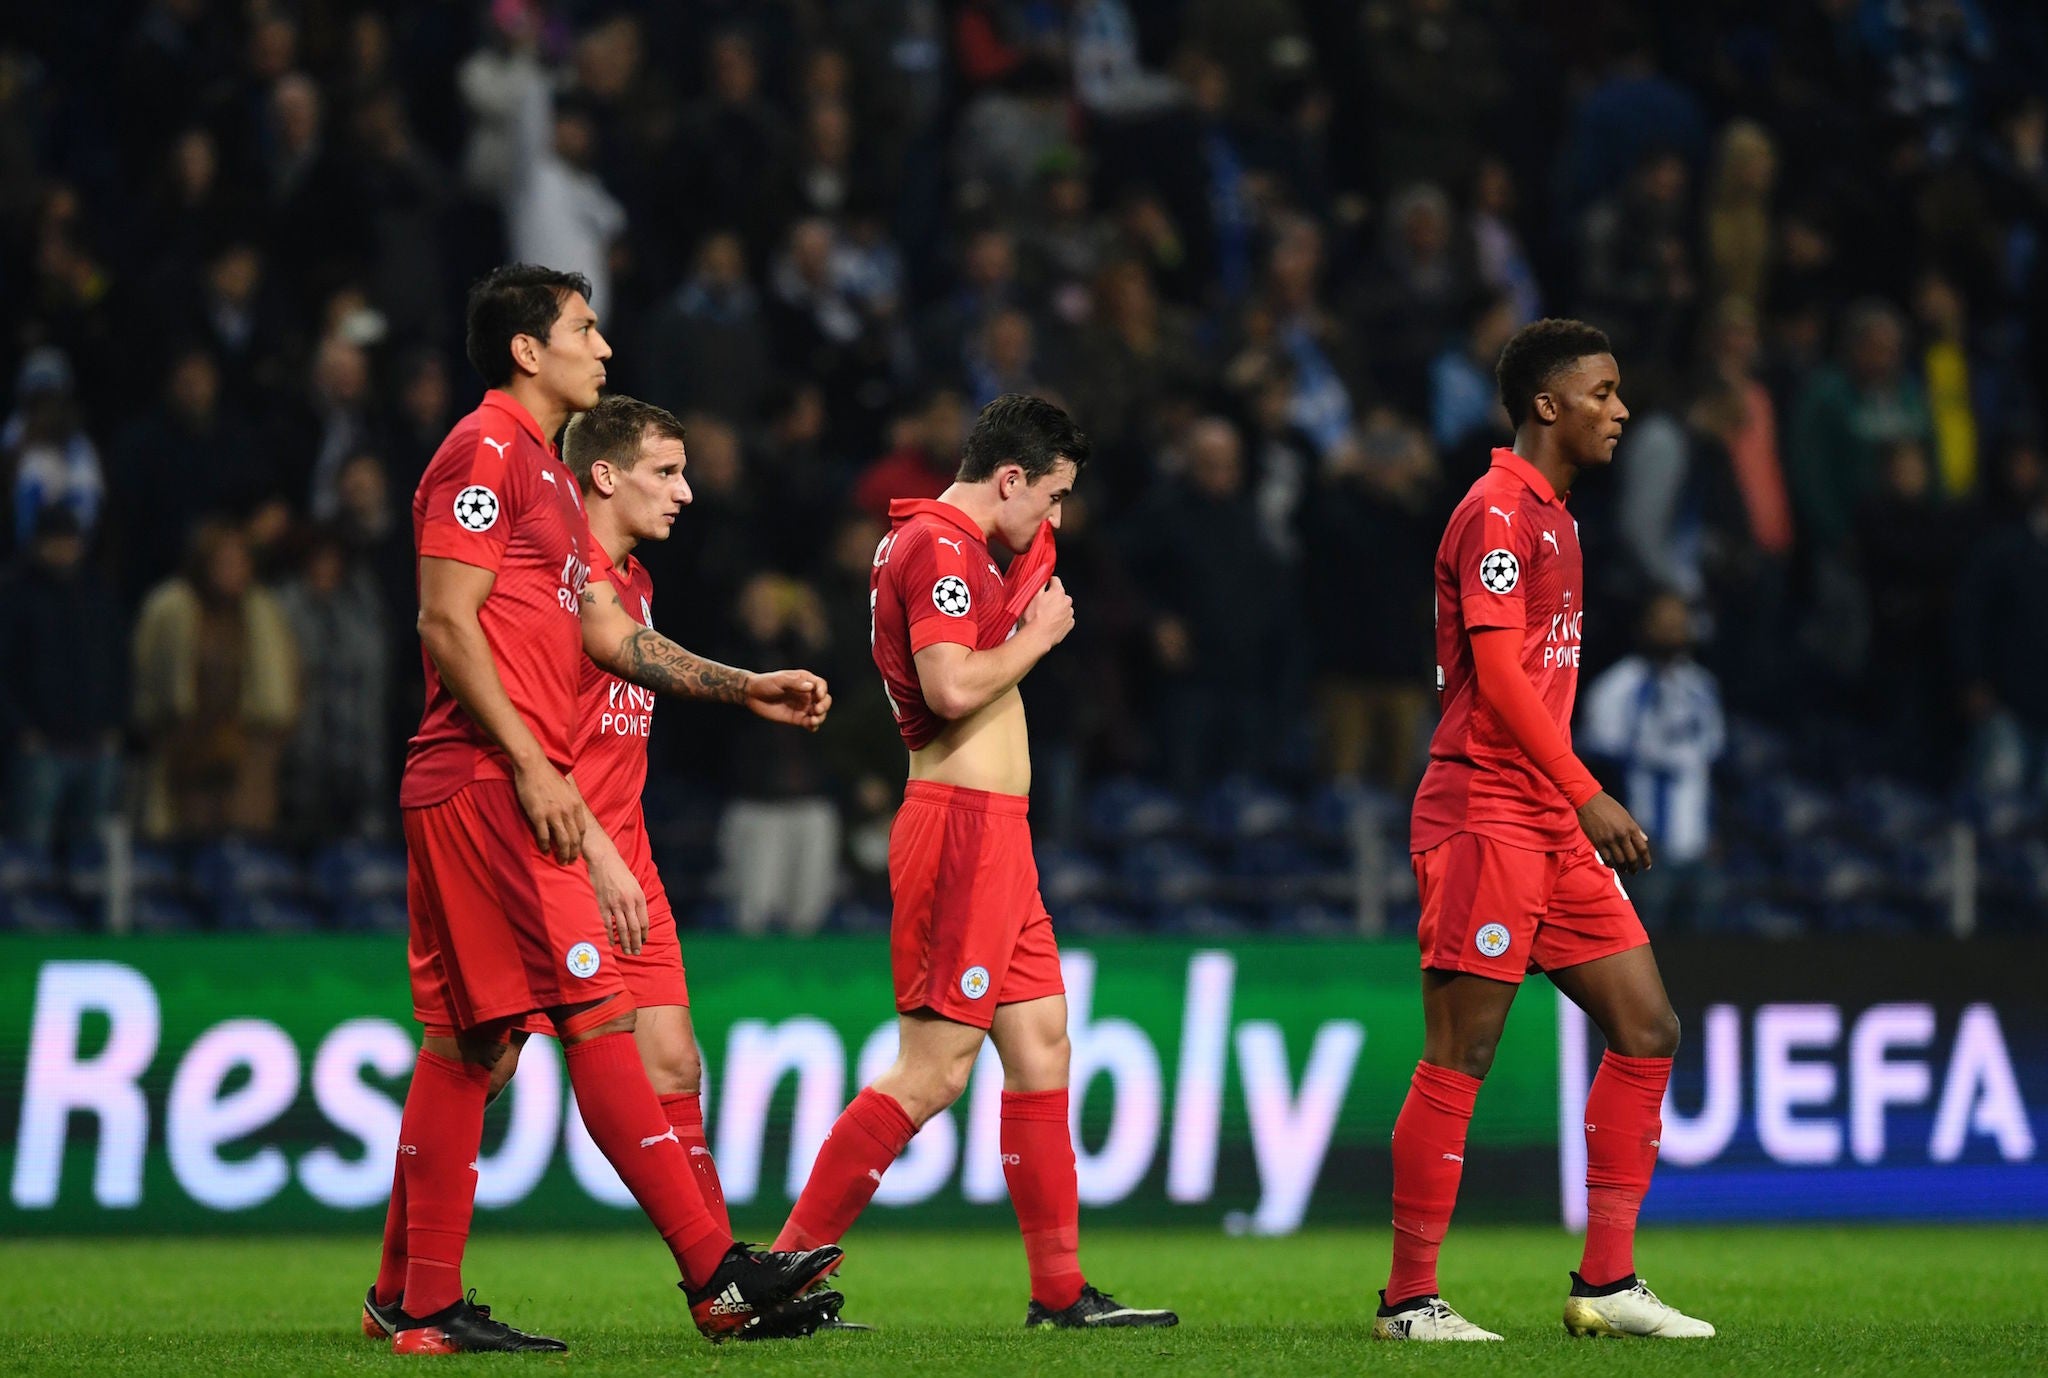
(988, 749)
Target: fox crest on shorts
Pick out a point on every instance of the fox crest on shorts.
(583, 960)
(1492, 940)
(974, 982)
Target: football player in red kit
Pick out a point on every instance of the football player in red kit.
(505, 923)
(970, 941)
(1516, 852)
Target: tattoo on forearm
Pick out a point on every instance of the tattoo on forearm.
(652, 661)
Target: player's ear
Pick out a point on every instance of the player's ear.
(1545, 407)
(526, 353)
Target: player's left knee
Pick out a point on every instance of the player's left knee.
(1654, 1036)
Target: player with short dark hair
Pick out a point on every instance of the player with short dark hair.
(971, 944)
(1516, 848)
(505, 924)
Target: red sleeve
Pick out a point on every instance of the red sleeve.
(467, 508)
(1497, 663)
(936, 581)
(1490, 557)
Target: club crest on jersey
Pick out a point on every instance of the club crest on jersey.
(1492, 940)
(951, 597)
(1500, 571)
(476, 507)
(974, 982)
(583, 961)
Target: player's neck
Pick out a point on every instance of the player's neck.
(617, 543)
(1545, 460)
(548, 411)
(977, 502)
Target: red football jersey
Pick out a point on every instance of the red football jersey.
(611, 746)
(495, 496)
(1509, 558)
(933, 580)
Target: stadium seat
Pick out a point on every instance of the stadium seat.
(265, 914)
(1126, 808)
(371, 915)
(237, 869)
(162, 913)
(358, 870)
(1205, 921)
(1244, 807)
(47, 912)
(1162, 872)
(1067, 877)
(25, 870)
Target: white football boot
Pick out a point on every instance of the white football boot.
(1425, 1318)
(1634, 1310)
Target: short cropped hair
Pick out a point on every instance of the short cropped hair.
(615, 429)
(1535, 356)
(1026, 431)
(516, 299)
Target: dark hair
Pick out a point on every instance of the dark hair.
(614, 430)
(1027, 431)
(1539, 352)
(516, 299)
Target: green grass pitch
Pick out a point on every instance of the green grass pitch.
(1875, 1301)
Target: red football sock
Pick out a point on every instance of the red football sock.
(439, 1136)
(1624, 1121)
(864, 1140)
(1038, 1163)
(686, 1113)
(391, 1267)
(625, 1122)
(1429, 1158)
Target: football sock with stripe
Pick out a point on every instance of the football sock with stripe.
(864, 1140)
(1038, 1163)
(1429, 1158)
(686, 1112)
(626, 1123)
(439, 1136)
(1624, 1121)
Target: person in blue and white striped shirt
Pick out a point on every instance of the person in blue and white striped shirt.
(1656, 715)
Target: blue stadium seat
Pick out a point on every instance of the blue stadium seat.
(1094, 920)
(1243, 806)
(1067, 877)
(1892, 810)
(1312, 921)
(25, 870)
(372, 915)
(358, 871)
(1330, 811)
(265, 914)
(237, 869)
(1205, 921)
(1162, 872)
(161, 913)
(1127, 808)
(48, 912)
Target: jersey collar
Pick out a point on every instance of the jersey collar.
(1525, 471)
(902, 509)
(499, 400)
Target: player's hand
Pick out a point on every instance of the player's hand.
(553, 809)
(619, 899)
(1617, 837)
(796, 697)
(1051, 613)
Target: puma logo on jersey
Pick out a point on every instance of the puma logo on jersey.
(1508, 517)
(549, 475)
(1551, 537)
(958, 549)
(499, 445)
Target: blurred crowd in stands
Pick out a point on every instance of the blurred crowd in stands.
(1265, 250)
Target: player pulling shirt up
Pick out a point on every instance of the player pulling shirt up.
(970, 941)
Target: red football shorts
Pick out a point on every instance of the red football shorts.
(652, 976)
(1503, 911)
(498, 927)
(969, 931)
